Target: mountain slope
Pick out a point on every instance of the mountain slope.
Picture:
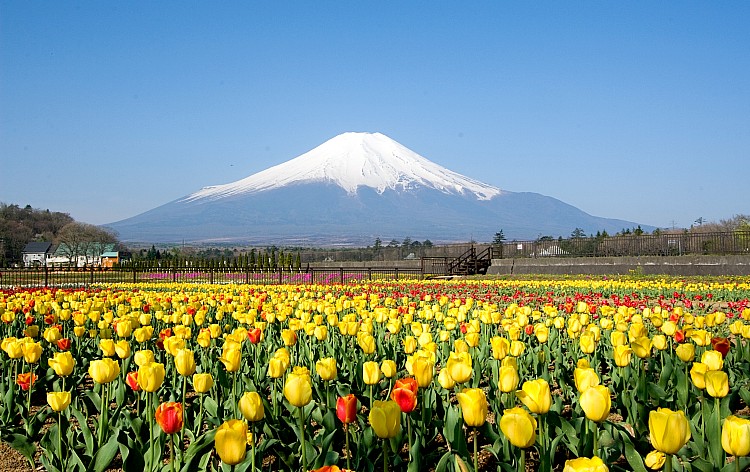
(350, 190)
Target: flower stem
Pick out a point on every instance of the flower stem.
(668, 463)
(348, 452)
(302, 437)
(522, 461)
(255, 439)
(385, 455)
(476, 449)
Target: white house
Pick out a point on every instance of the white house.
(36, 253)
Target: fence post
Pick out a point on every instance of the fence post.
(341, 274)
(46, 276)
(280, 271)
(369, 273)
(396, 273)
(210, 275)
(91, 276)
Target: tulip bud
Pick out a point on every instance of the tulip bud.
(519, 427)
(169, 417)
(585, 464)
(735, 436)
(58, 401)
(371, 372)
(669, 430)
(474, 406)
(185, 362)
(385, 419)
(231, 441)
(717, 383)
(326, 368)
(202, 383)
(298, 387)
(346, 408)
(535, 394)
(596, 403)
(251, 406)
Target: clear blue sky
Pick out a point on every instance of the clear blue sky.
(632, 110)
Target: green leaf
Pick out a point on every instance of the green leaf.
(104, 456)
(631, 455)
(88, 437)
(21, 444)
(731, 467)
(442, 465)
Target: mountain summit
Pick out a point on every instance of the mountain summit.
(350, 190)
(353, 160)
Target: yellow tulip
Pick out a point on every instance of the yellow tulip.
(713, 360)
(717, 383)
(371, 372)
(151, 376)
(596, 403)
(519, 427)
(507, 379)
(104, 370)
(184, 361)
(326, 368)
(388, 368)
(541, 332)
(422, 369)
(622, 354)
(459, 345)
(445, 380)
(144, 356)
(32, 352)
(122, 349)
(660, 342)
(58, 401)
(535, 394)
(251, 406)
(107, 347)
(276, 368)
(231, 357)
(459, 366)
(474, 406)
(585, 378)
(698, 375)
(669, 430)
(517, 348)
(231, 441)
(587, 343)
(367, 343)
(735, 436)
(500, 347)
(655, 460)
(641, 347)
(385, 419)
(618, 338)
(202, 383)
(298, 387)
(13, 348)
(62, 363)
(585, 464)
(686, 352)
(52, 334)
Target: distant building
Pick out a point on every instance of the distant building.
(110, 258)
(36, 253)
(90, 254)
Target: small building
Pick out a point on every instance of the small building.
(36, 253)
(110, 258)
(89, 254)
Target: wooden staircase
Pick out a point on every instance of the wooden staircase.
(471, 262)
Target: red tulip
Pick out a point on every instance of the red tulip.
(169, 417)
(63, 344)
(26, 380)
(722, 345)
(254, 335)
(679, 336)
(132, 381)
(405, 394)
(346, 408)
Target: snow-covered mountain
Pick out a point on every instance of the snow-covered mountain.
(350, 190)
(353, 160)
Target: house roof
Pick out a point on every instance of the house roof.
(37, 248)
(111, 254)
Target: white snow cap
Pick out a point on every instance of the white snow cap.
(351, 160)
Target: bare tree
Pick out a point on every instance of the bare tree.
(83, 240)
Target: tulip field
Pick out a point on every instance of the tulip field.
(563, 374)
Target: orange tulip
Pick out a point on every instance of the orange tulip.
(169, 417)
(405, 394)
(346, 408)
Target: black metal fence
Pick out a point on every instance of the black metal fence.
(664, 244)
(62, 277)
